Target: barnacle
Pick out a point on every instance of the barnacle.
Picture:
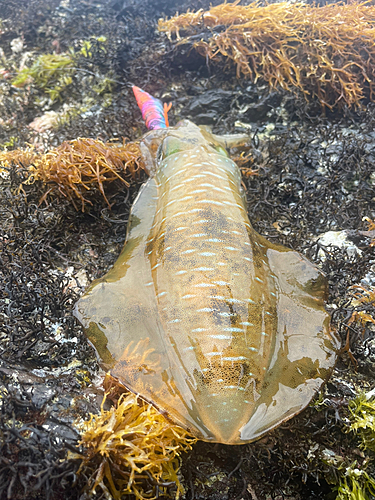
(132, 449)
(325, 52)
(78, 166)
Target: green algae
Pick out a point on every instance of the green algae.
(53, 73)
(355, 484)
(43, 70)
(362, 416)
(50, 72)
(357, 481)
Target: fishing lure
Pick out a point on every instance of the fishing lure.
(220, 329)
(154, 113)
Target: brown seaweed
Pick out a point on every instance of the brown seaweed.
(78, 166)
(325, 52)
(130, 445)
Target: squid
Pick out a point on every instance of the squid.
(221, 330)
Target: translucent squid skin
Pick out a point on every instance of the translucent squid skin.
(223, 331)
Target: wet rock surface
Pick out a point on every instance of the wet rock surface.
(315, 176)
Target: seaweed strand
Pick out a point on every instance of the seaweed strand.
(324, 52)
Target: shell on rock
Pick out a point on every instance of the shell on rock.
(220, 329)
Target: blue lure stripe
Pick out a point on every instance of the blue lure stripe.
(153, 111)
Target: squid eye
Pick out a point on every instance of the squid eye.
(222, 151)
(170, 146)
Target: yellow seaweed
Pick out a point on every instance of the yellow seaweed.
(129, 447)
(325, 52)
(77, 167)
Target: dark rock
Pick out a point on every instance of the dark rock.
(254, 108)
(209, 106)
